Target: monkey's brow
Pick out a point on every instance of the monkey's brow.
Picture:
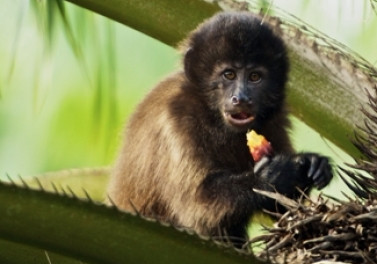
(249, 66)
(238, 65)
(255, 66)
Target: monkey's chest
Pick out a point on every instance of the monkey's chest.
(234, 157)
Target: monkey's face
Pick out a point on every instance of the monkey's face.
(245, 95)
(240, 87)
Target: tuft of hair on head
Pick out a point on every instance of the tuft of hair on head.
(228, 37)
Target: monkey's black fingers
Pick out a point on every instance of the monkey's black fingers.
(313, 170)
(322, 184)
(329, 174)
(325, 176)
(319, 170)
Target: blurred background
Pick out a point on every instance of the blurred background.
(69, 82)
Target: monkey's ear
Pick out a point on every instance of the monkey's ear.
(188, 62)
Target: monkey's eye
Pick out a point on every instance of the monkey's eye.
(255, 77)
(230, 75)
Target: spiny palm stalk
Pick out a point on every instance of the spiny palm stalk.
(322, 232)
(364, 182)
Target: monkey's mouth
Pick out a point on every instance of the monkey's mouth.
(239, 118)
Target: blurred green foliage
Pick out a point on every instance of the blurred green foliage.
(63, 111)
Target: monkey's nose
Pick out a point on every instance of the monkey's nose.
(235, 100)
(239, 100)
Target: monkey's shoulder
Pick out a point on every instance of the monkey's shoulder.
(162, 106)
(171, 98)
(164, 91)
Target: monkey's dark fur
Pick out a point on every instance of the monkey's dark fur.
(185, 158)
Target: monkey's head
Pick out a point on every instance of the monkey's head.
(239, 66)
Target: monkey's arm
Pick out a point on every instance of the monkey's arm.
(233, 191)
(282, 173)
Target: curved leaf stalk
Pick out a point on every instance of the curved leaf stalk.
(94, 233)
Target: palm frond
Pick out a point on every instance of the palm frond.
(19, 21)
(49, 14)
(92, 40)
(363, 181)
(373, 4)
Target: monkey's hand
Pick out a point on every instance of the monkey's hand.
(317, 168)
(303, 170)
(285, 173)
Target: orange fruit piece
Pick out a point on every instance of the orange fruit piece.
(258, 145)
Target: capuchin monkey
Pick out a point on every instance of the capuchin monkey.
(185, 160)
